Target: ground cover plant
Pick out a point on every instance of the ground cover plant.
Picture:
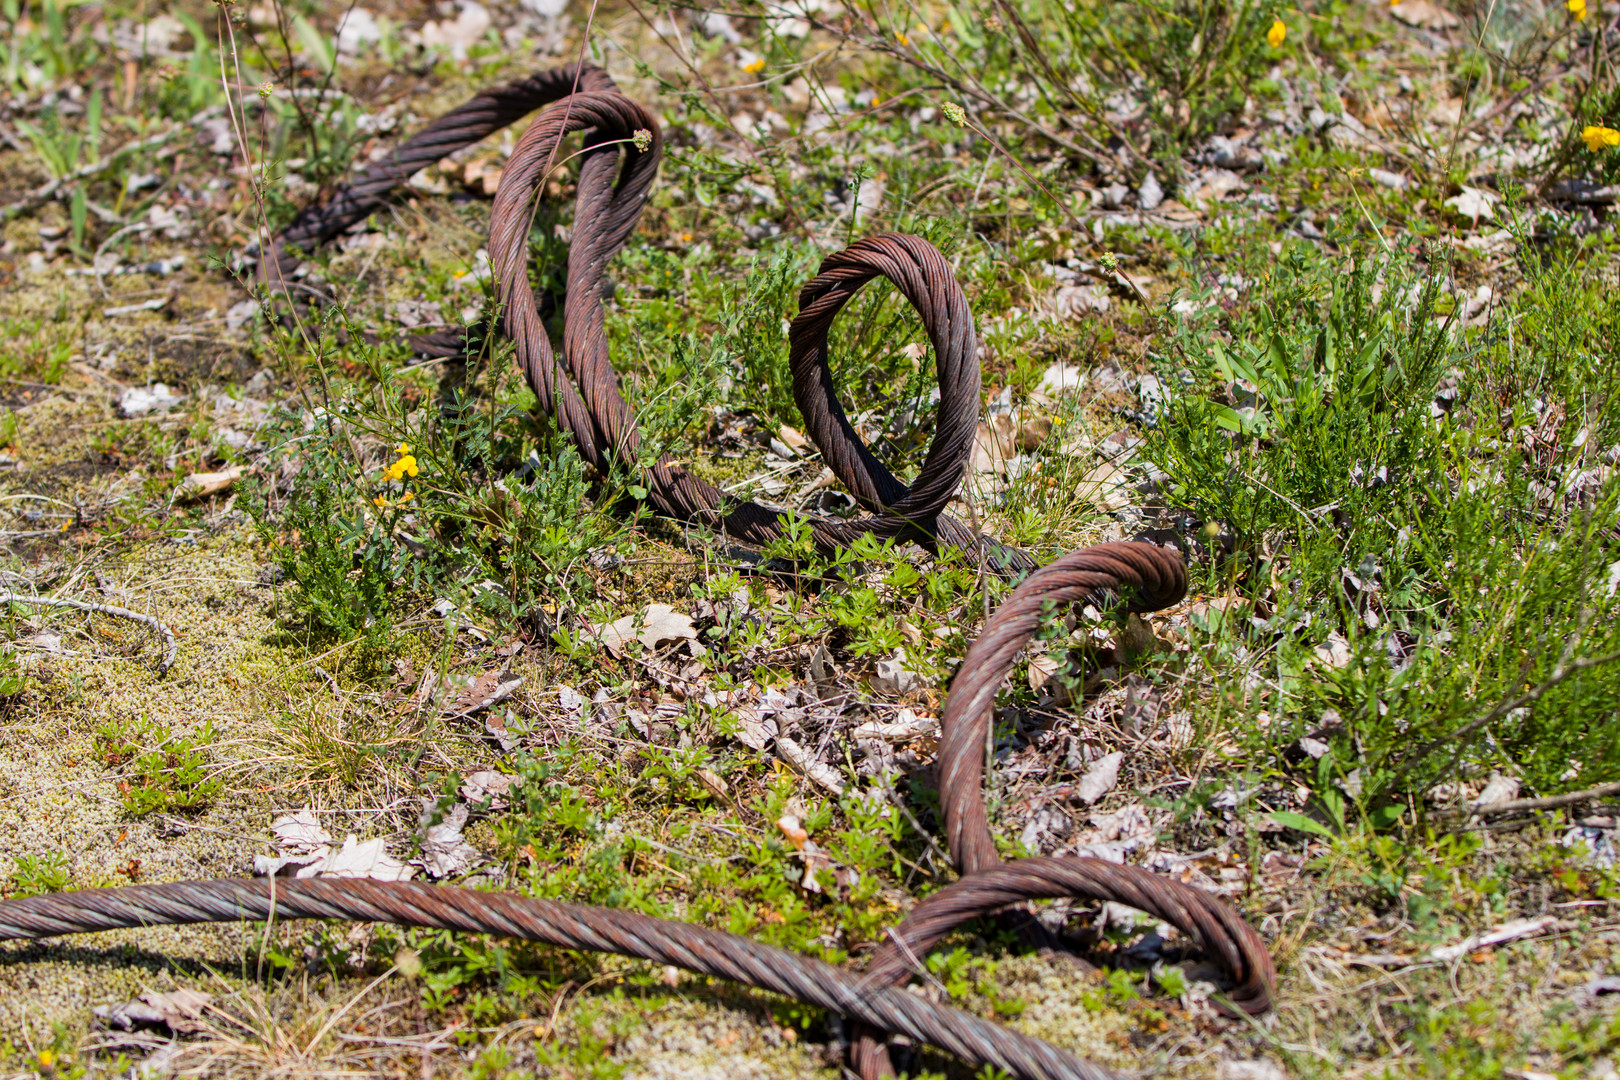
(1324, 297)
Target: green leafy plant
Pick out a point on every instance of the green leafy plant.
(44, 44)
(12, 679)
(1360, 512)
(479, 517)
(35, 874)
(160, 770)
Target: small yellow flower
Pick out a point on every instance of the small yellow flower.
(383, 502)
(1279, 31)
(905, 42)
(1600, 138)
(399, 470)
(686, 238)
(1577, 8)
(46, 1059)
(754, 67)
(402, 449)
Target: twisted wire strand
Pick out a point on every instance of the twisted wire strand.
(1149, 578)
(580, 391)
(692, 948)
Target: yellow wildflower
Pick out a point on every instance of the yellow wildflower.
(402, 449)
(1601, 138)
(754, 67)
(399, 470)
(1577, 8)
(1279, 31)
(46, 1059)
(904, 41)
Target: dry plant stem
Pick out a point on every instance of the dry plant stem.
(795, 221)
(47, 191)
(1551, 802)
(970, 86)
(102, 609)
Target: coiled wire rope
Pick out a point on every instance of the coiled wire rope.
(581, 393)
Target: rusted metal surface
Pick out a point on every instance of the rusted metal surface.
(580, 391)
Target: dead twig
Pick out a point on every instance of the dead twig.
(1549, 802)
(47, 191)
(103, 609)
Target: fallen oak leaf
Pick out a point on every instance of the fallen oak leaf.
(655, 626)
(357, 859)
(445, 852)
(489, 786)
(300, 831)
(179, 1010)
(1100, 778)
(482, 692)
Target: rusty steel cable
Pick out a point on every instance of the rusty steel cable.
(581, 394)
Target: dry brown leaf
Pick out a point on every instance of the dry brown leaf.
(487, 784)
(360, 859)
(712, 783)
(1105, 487)
(482, 692)
(178, 1010)
(658, 624)
(799, 760)
(1424, 15)
(203, 484)
(795, 833)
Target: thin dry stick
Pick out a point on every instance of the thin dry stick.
(1550, 802)
(103, 609)
(43, 194)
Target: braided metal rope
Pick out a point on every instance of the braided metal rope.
(581, 393)
(693, 948)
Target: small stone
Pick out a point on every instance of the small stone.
(1150, 194)
(140, 400)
